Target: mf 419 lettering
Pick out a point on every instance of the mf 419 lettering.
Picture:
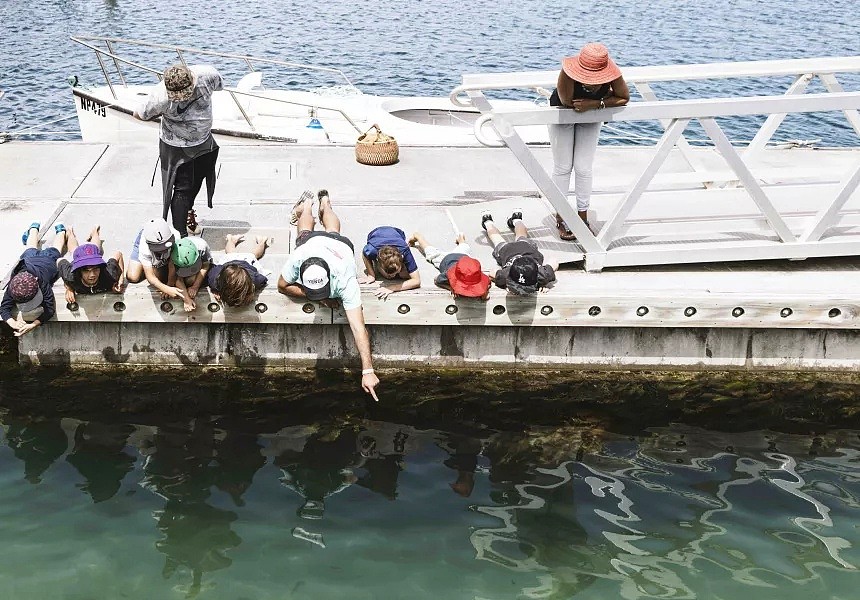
(94, 106)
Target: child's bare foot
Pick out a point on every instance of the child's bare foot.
(234, 238)
(461, 237)
(264, 241)
(95, 233)
(413, 239)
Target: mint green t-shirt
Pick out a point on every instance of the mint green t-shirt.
(343, 275)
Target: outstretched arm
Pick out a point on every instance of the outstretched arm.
(369, 380)
(294, 290)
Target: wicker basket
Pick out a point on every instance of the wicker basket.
(376, 148)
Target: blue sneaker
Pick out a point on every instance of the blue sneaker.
(59, 228)
(25, 238)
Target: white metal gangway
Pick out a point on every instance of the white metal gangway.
(809, 232)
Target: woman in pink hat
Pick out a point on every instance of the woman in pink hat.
(589, 80)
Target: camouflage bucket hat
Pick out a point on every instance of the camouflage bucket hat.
(179, 81)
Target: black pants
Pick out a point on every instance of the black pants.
(186, 185)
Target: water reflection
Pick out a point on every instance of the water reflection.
(563, 511)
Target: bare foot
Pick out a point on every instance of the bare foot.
(96, 232)
(234, 238)
(413, 239)
(265, 241)
(461, 237)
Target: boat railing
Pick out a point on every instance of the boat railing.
(801, 71)
(109, 52)
(605, 249)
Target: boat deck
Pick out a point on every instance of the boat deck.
(83, 184)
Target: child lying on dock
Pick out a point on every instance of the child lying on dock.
(458, 271)
(387, 255)
(150, 260)
(89, 273)
(237, 280)
(31, 285)
(191, 258)
(522, 270)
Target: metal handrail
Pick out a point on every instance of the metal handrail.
(532, 80)
(180, 49)
(110, 53)
(297, 103)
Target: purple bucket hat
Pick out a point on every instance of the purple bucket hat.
(87, 255)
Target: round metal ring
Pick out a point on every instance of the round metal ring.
(785, 312)
(498, 309)
(72, 306)
(119, 306)
(834, 312)
(737, 311)
(308, 308)
(451, 309)
(546, 310)
(167, 307)
(261, 308)
(689, 311)
(594, 311)
(403, 309)
(642, 311)
(213, 307)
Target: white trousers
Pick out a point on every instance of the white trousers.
(573, 149)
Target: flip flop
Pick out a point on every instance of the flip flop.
(564, 232)
(294, 217)
(34, 225)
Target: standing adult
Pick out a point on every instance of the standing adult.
(322, 267)
(186, 149)
(587, 81)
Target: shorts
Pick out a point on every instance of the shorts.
(504, 251)
(434, 255)
(243, 256)
(307, 234)
(135, 249)
(48, 255)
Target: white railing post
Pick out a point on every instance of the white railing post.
(773, 121)
(833, 86)
(661, 152)
(736, 163)
(556, 197)
(826, 217)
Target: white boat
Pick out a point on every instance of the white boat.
(248, 110)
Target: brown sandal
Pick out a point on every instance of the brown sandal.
(564, 232)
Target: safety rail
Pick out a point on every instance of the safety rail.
(802, 70)
(181, 51)
(599, 250)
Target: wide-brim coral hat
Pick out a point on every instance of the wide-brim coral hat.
(592, 66)
(466, 278)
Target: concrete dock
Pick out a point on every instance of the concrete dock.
(746, 315)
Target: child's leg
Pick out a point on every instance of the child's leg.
(33, 237)
(329, 219)
(260, 249)
(95, 237)
(60, 241)
(418, 240)
(134, 272)
(520, 229)
(493, 233)
(232, 240)
(71, 240)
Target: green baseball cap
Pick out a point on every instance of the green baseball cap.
(186, 258)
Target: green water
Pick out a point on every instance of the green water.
(234, 508)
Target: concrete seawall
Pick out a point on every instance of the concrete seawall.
(273, 345)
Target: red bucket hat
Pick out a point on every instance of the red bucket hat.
(466, 278)
(592, 66)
